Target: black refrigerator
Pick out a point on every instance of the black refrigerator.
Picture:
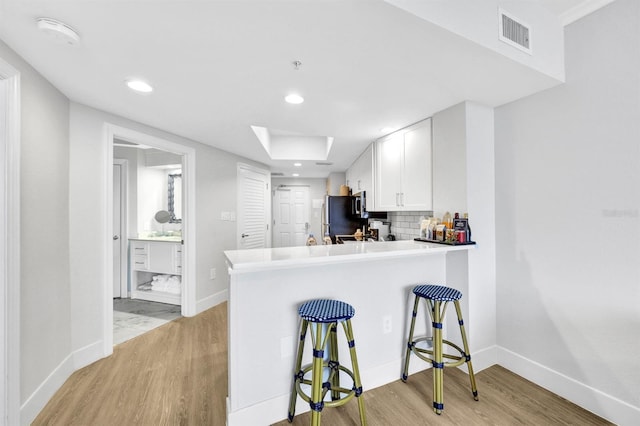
(339, 216)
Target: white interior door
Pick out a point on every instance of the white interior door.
(291, 216)
(254, 208)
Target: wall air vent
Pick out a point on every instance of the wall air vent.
(514, 32)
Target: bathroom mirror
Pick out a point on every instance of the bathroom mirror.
(162, 216)
(174, 192)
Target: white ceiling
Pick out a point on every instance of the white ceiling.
(219, 67)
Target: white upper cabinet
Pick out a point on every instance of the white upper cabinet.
(360, 174)
(403, 170)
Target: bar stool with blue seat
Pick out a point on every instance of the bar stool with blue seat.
(437, 298)
(322, 316)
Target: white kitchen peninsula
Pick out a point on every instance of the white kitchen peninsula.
(267, 286)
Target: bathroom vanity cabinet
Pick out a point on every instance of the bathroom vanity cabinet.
(148, 258)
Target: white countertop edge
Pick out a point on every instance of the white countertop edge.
(237, 265)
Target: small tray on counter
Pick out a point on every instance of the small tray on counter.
(448, 243)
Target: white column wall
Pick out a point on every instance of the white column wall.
(464, 181)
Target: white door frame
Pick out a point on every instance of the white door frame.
(112, 132)
(10, 250)
(124, 222)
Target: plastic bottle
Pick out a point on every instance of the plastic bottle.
(311, 241)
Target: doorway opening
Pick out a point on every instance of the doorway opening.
(151, 254)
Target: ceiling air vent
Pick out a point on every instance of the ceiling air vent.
(276, 174)
(514, 32)
(323, 163)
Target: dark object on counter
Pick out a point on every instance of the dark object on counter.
(449, 243)
(391, 237)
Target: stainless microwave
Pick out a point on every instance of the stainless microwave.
(359, 207)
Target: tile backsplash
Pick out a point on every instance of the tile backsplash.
(406, 225)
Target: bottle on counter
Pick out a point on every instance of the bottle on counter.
(466, 216)
(327, 239)
(447, 220)
(311, 241)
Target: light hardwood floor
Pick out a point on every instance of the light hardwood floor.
(177, 375)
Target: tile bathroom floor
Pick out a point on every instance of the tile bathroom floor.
(133, 317)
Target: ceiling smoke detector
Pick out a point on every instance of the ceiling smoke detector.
(59, 31)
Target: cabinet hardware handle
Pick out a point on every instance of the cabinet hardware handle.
(244, 235)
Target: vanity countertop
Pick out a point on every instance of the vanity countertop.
(170, 239)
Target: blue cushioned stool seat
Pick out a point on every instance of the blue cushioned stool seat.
(437, 292)
(437, 297)
(325, 311)
(320, 318)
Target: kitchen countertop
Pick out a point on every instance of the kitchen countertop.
(293, 257)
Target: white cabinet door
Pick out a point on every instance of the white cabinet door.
(162, 258)
(360, 174)
(416, 184)
(388, 179)
(403, 169)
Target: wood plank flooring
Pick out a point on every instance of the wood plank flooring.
(177, 375)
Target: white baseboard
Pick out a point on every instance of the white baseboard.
(74, 361)
(39, 398)
(211, 301)
(482, 359)
(88, 355)
(600, 403)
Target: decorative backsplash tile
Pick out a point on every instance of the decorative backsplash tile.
(406, 225)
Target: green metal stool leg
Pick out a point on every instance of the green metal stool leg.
(405, 372)
(472, 377)
(334, 372)
(356, 371)
(438, 365)
(316, 403)
(297, 370)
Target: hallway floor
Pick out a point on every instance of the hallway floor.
(134, 317)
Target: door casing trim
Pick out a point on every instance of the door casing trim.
(111, 132)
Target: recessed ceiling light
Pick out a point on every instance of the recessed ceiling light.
(295, 174)
(139, 86)
(297, 164)
(294, 99)
(386, 130)
(58, 30)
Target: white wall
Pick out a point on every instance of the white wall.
(215, 192)
(44, 306)
(567, 201)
